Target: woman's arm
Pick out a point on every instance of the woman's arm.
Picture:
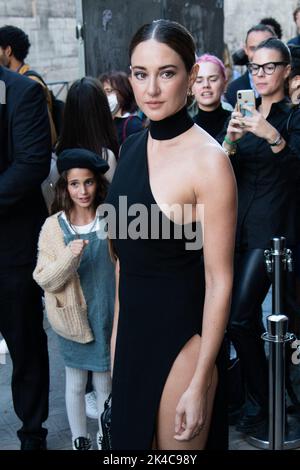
(217, 192)
(219, 196)
(111, 160)
(233, 133)
(259, 126)
(256, 124)
(116, 317)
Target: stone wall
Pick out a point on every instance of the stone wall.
(50, 25)
(241, 15)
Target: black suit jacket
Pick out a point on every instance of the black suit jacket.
(241, 83)
(25, 154)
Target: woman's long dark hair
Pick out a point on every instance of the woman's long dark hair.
(87, 119)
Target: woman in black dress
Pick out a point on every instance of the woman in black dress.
(264, 155)
(164, 373)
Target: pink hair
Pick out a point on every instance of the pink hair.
(214, 60)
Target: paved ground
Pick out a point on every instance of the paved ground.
(59, 436)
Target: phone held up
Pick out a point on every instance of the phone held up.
(245, 97)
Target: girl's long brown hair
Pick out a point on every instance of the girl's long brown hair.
(62, 200)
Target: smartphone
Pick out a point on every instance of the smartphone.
(245, 97)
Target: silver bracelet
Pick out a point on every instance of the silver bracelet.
(277, 141)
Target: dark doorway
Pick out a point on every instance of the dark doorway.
(110, 24)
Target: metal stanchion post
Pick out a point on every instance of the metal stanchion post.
(277, 337)
(278, 259)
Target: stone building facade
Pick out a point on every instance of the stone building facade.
(50, 25)
(241, 15)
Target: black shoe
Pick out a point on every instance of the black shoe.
(34, 443)
(249, 424)
(82, 443)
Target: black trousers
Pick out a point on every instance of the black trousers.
(21, 324)
(251, 285)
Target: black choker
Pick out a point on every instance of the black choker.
(172, 126)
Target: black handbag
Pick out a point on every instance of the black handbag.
(106, 425)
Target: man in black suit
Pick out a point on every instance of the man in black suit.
(255, 35)
(25, 153)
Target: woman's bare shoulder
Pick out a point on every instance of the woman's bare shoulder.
(208, 165)
(205, 152)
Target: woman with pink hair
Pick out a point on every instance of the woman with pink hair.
(208, 89)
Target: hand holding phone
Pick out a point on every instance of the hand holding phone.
(294, 90)
(245, 97)
(254, 121)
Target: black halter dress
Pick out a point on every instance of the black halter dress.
(161, 294)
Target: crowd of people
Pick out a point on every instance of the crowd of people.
(143, 306)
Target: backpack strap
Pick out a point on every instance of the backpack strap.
(49, 98)
(33, 73)
(124, 135)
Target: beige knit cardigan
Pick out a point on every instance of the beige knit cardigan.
(56, 273)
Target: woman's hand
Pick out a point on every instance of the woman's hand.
(258, 125)
(190, 414)
(295, 90)
(235, 129)
(77, 246)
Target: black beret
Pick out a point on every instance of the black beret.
(81, 158)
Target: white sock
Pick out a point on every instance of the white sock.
(102, 386)
(75, 402)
